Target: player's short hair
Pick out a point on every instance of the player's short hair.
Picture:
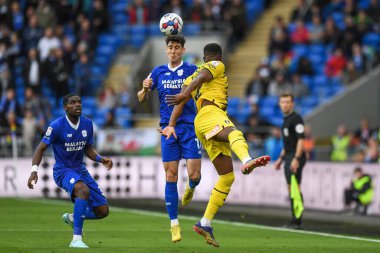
(66, 98)
(358, 170)
(212, 49)
(287, 94)
(176, 38)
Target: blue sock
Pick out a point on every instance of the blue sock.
(80, 206)
(90, 215)
(171, 199)
(194, 184)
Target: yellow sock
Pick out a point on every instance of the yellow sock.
(219, 195)
(239, 146)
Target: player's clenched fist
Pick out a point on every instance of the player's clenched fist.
(147, 83)
(106, 161)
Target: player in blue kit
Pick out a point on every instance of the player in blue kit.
(168, 79)
(71, 137)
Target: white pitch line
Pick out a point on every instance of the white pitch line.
(239, 224)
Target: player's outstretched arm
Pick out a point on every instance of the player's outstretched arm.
(203, 77)
(93, 155)
(143, 94)
(37, 157)
(177, 111)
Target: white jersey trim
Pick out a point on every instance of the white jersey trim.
(174, 69)
(71, 124)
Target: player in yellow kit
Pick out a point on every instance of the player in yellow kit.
(208, 86)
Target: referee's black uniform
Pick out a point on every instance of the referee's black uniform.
(293, 129)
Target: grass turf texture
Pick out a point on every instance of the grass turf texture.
(36, 226)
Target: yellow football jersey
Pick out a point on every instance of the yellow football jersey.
(214, 91)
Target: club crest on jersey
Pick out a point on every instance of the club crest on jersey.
(84, 133)
(48, 131)
(180, 72)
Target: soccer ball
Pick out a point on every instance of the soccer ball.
(171, 24)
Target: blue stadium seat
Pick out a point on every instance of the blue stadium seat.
(102, 60)
(154, 29)
(105, 50)
(371, 39)
(317, 49)
(309, 101)
(300, 50)
(109, 40)
(268, 101)
(192, 29)
(123, 116)
(364, 4)
(137, 40)
(276, 121)
(88, 111)
(118, 8)
(98, 71)
(120, 19)
(19, 81)
(88, 101)
(320, 80)
(317, 59)
(138, 30)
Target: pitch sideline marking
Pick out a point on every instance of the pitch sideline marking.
(239, 224)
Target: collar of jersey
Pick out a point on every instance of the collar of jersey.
(71, 124)
(174, 69)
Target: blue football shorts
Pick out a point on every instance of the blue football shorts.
(67, 178)
(187, 146)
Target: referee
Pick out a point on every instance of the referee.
(292, 154)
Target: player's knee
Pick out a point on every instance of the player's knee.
(101, 211)
(81, 190)
(171, 176)
(228, 179)
(104, 212)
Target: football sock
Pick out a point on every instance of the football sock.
(205, 222)
(219, 195)
(239, 146)
(193, 183)
(80, 206)
(90, 215)
(171, 199)
(174, 222)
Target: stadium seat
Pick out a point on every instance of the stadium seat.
(88, 101)
(120, 19)
(320, 80)
(153, 29)
(309, 101)
(371, 39)
(192, 29)
(317, 49)
(268, 101)
(317, 59)
(364, 4)
(299, 50)
(107, 39)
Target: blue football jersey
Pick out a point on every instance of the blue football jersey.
(169, 82)
(69, 141)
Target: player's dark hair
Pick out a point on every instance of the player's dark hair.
(212, 49)
(358, 170)
(176, 38)
(66, 98)
(287, 94)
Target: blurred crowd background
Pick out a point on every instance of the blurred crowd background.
(50, 48)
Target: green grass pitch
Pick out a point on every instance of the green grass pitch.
(35, 226)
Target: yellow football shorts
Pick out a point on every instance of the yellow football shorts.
(209, 121)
